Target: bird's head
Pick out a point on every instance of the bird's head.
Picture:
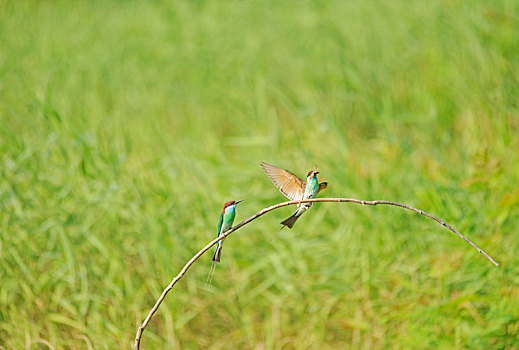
(231, 205)
(313, 173)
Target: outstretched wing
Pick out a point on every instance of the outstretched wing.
(287, 183)
(322, 186)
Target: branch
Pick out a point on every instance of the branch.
(266, 210)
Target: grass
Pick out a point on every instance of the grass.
(125, 126)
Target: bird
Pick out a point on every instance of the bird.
(294, 188)
(224, 224)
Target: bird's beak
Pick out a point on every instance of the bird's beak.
(238, 201)
(316, 172)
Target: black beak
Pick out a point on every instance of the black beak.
(238, 201)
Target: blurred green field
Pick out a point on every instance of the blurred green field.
(125, 126)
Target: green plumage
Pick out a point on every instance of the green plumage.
(224, 224)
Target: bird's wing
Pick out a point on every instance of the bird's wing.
(322, 186)
(287, 183)
(220, 222)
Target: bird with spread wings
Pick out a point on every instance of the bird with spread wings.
(294, 188)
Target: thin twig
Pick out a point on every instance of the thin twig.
(266, 210)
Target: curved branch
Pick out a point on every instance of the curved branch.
(266, 210)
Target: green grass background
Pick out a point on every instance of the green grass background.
(125, 125)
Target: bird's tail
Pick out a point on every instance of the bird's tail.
(211, 273)
(218, 252)
(216, 259)
(291, 220)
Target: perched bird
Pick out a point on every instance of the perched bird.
(224, 224)
(294, 188)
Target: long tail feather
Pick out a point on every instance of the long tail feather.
(211, 274)
(218, 252)
(216, 259)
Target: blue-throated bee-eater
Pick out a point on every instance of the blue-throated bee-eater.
(294, 188)
(224, 225)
